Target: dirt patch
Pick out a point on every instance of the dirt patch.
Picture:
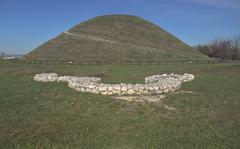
(142, 99)
(156, 98)
(153, 98)
(169, 108)
(183, 91)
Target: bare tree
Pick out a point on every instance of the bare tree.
(2, 54)
(222, 48)
(236, 47)
(236, 42)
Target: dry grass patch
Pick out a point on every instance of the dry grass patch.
(141, 98)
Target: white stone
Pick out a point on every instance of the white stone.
(109, 93)
(91, 86)
(117, 87)
(131, 92)
(95, 91)
(110, 88)
(155, 88)
(104, 93)
(124, 88)
(82, 89)
(102, 88)
(117, 92)
(153, 84)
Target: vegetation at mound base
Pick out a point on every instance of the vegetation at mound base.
(226, 49)
(115, 37)
(51, 115)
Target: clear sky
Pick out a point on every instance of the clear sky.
(25, 24)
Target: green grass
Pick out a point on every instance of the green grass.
(51, 115)
(137, 39)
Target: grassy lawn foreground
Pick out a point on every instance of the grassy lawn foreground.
(51, 115)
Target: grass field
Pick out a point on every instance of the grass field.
(51, 115)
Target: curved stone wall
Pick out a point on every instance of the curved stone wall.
(155, 84)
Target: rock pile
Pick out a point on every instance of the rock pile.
(171, 77)
(155, 84)
(46, 77)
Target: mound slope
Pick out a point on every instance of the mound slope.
(115, 37)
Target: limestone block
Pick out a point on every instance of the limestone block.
(110, 88)
(136, 87)
(88, 90)
(123, 93)
(82, 89)
(116, 92)
(155, 88)
(109, 93)
(150, 87)
(91, 86)
(124, 88)
(145, 92)
(103, 93)
(129, 86)
(117, 87)
(102, 88)
(130, 92)
(166, 90)
(95, 91)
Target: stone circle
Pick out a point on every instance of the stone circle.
(155, 84)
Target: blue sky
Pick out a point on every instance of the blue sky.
(25, 24)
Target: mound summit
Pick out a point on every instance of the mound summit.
(115, 37)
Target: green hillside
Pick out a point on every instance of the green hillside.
(115, 37)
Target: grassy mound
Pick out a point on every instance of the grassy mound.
(115, 37)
